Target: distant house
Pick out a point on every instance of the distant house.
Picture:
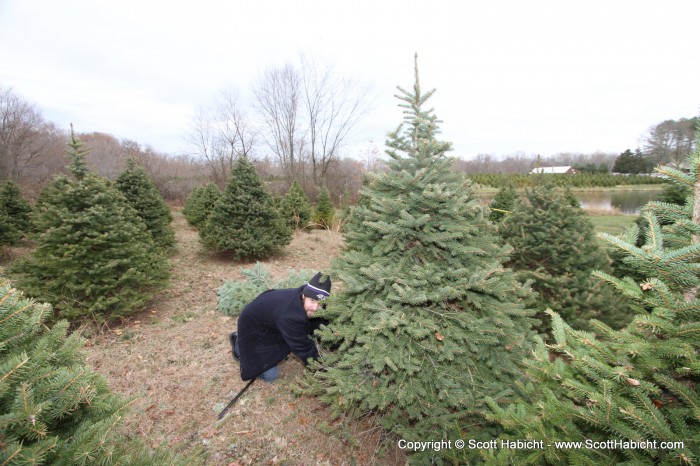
(567, 170)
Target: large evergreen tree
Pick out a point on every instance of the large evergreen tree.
(200, 204)
(94, 255)
(427, 322)
(15, 206)
(554, 247)
(142, 194)
(54, 409)
(639, 384)
(245, 222)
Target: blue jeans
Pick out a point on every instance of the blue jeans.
(269, 375)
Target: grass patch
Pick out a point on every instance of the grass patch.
(612, 224)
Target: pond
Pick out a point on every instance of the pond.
(625, 202)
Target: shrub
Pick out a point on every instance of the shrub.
(234, 295)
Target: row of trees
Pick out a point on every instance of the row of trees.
(100, 247)
(579, 180)
(99, 252)
(246, 221)
(301, 115)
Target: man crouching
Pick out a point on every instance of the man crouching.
(276, 323)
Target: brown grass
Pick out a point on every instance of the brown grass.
(174, 358)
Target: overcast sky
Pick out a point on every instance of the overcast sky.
(537, 76)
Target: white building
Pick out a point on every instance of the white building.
(566, 170)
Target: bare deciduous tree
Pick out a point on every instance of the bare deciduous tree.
(24, 136)
(332, 106)
(308, 114)
(277, 101)
(221, 134)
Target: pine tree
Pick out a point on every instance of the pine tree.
(143, 196)
(640, 383)
(200, 204)
(8, 233)
(55, 409)
(15, 206)
(427, 322)
(503, 203)
(324, 212)
(554, 247)
(296, 207)
(93, 255)
(245, 222)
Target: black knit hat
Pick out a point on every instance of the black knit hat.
(318, 288)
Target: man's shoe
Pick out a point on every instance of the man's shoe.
(232, 339)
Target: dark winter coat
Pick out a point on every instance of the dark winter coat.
(270, 327)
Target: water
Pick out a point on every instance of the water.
(626, 202)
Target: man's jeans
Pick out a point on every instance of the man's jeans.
(269, 375)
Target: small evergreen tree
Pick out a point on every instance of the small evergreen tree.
(324, 212)
(427, 322)
(8, 233)
(503, 203)
(54, 409)
(15, 206)
(296, 207)
(245, 222)
(555, 249)
(143, 196)
(93, 255)
(200, 204)
(641, 383)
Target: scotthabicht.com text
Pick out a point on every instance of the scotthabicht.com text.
(503, 444)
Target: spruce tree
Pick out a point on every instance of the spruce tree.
(503, 203)
(554, 247)
(427, 322)
(640, 383)
(8, 233)
(245, 223)
(296, 207)
(324, 212)
(200, 204)
(55, 409)
(15, 206)
(94, 255)
(143, 196)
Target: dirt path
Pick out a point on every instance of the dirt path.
(175, 360)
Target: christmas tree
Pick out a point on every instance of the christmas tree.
(93, 255)
(15, 206)
(245, 222)
(143, 196)
(554, 247)
(296, 207)
(200, 204)
(503, 203)
(8, 233)
(428, 322)
(640, 384)
(324, 212)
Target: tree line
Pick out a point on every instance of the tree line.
(293, 127)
